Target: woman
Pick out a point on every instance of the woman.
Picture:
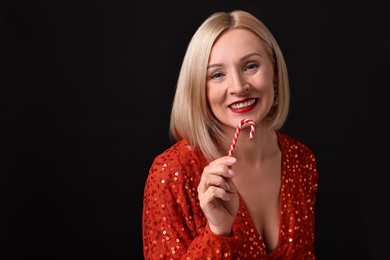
(201, 202)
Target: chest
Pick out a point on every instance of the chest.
(259, 190)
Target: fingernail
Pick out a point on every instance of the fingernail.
(231, 172)
(231, 160)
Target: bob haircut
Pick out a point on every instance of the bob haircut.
(191, 116)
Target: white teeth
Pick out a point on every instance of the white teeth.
(243, 104)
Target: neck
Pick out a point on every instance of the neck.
(263, 145)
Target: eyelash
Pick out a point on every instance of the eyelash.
(250, 66)
(216, 75)
(253, 65)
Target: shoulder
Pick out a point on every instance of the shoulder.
(297, 156)
(181, 153)
(290, 145)
(178, 162)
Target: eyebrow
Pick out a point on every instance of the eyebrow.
(241, 59)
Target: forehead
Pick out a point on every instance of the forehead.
(236, 43)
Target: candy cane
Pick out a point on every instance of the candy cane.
(238, 130)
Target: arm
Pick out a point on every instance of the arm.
(174, 226)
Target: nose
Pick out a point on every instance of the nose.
(238, 84)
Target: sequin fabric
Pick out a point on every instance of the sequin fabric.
(174, 226)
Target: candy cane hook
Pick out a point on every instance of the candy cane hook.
(238, 130)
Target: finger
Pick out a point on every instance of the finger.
(226, 160)
(231, 186)
(212, 193)
(208, 180)
(218, 169)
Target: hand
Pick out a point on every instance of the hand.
(218, 195)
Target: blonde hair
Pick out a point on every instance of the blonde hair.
(191, 116)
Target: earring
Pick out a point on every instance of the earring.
(276, 96)
(276, 100)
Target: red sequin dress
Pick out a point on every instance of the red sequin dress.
(174, 226)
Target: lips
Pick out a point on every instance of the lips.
(243, 105)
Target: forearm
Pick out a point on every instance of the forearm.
(175, 244)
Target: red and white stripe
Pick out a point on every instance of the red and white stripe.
(238, 130)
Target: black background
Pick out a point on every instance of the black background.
(86, 92)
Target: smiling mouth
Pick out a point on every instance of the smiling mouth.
(243, 105)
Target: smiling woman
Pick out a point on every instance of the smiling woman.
(245, 75)
(200, 202)
(81, 84)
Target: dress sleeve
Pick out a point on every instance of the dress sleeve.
(173, 224)
(311, 178)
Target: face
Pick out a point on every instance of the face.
(240, 78)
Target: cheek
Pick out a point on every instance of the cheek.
(265, 80)
(268, 93)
